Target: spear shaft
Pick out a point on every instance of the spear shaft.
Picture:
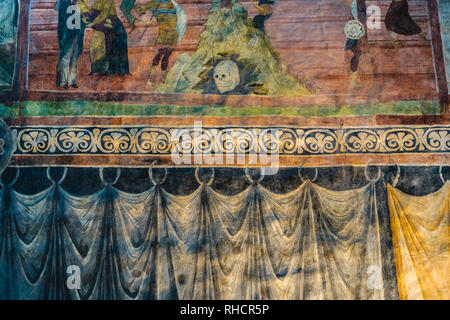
(146, 27)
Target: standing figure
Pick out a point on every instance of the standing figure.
(166, 17)
(8, 32)
(109, 44)
(70, 42)
(264, 8)
(353, 46)
(399, 21)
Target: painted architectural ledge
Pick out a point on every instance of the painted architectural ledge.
(134, 140)
(140, 145)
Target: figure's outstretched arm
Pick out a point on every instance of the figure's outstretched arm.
(149, 6)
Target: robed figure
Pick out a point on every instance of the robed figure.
(399, 21)
(172, 23)
(70, 39)
(109, 44)
(9, 10)
(265, 11)
(166, 16)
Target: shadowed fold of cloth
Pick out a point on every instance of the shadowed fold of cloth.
(311, 243)
(420, 233)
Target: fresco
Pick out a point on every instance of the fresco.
(444, 11)
(9, 15)
(224, 149)
(266, 48)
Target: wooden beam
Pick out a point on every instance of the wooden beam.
(438, 54)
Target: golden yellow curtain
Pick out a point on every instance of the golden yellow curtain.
(420, 233)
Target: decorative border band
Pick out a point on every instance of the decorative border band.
(152, 140)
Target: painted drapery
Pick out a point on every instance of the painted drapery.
(311, 243)
(420, 232)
